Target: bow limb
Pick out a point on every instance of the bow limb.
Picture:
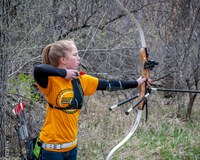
(143, 42)
(143, 53)
(145, 73)
(127, 137)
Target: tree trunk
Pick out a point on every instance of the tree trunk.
(4, 35)
(2, 104)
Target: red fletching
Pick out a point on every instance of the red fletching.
(82, 73)
(19, 108)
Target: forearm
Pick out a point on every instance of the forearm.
(113, 85)
(43, 71)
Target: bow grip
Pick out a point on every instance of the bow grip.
(145, 74)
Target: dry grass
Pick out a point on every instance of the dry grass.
(163, 137)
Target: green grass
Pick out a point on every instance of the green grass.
(162, 137)
(173, 142)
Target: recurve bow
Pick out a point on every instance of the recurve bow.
(145, 73)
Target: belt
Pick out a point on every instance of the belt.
(56, 146)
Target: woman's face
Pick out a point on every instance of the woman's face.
(72, 59)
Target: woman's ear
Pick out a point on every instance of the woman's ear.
(62, 60)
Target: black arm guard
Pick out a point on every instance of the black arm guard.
(113, 85)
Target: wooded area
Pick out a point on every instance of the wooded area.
(108, 43)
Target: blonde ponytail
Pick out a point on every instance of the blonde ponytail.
(52, 52)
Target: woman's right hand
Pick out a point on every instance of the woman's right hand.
(71, 74)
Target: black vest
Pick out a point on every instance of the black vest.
(77, 101)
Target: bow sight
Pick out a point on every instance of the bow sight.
(150, 64)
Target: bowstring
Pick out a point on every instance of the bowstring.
(95, 32)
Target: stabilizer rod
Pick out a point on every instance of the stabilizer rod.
(175, 90)
(123, 102)
(136, 104)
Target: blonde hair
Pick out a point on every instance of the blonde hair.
(52, 52)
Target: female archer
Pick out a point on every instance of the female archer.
(59, 80)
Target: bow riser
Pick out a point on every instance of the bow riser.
(145, 74)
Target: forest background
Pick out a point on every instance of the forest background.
(108, 43)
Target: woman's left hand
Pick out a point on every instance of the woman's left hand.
(141, 80)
